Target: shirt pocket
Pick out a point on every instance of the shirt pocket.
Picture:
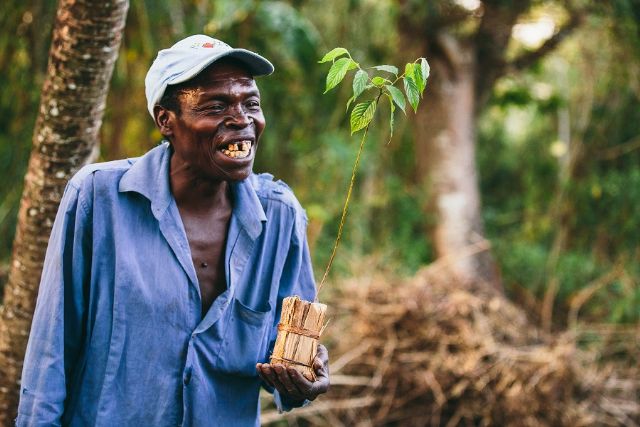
(245, 340)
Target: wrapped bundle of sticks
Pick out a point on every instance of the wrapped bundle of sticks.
(299, 330)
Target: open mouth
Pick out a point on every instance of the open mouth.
(237, 150)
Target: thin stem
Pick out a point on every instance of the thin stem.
(344, 209)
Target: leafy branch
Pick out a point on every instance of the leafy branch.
(379, 81)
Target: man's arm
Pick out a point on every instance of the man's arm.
(57, 331)
(292, 389)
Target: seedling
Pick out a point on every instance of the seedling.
(302, 322)
(376, 83)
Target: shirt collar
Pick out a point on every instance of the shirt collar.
(149, 176)
(247, 207)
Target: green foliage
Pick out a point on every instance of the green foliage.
(338, 71)
(396, 96)
(359, 83)
(364, 112)
(580, 196)
(592, 77)
(414, 80)
(333, 54)
(388, 68)
(413, 93)
(24, 43)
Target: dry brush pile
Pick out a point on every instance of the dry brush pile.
(423, 353)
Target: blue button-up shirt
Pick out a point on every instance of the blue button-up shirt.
(118, 337)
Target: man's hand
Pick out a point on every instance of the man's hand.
(292, 384)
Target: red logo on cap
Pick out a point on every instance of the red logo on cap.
(209, 45)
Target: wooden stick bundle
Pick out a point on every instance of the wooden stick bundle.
(298, 334)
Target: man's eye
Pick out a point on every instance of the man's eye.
(253, 105)
(216, 108)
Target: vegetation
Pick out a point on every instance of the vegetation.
(550, 125)
(531, 190)
(414, 81)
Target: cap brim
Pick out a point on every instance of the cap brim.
(257, 65)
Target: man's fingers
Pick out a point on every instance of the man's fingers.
(266, 373)
(321, 362)
(320, 367)
(285, 379)
(322, 354)
(304, 385)
(270, 374)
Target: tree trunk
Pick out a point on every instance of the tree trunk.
(86, 39)
(446, 163)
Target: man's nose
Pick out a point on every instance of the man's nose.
(238, 117)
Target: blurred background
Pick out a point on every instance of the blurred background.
(531, 117)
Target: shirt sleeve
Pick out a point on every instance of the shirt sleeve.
(57, 332)
(297, 279)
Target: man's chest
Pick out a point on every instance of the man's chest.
(207, 237)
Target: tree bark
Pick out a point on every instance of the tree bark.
(86, 39)
(446, 162)
(465, 67)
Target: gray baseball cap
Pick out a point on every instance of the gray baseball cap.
(188, 57)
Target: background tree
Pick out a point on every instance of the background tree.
(86, 38)
(466, 43)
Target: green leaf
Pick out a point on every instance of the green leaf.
(333, 54)
(414, 72)
(417, 77)
(425, 69)
(408, 69)
(362, 115)
(353, 98)
(392, 110)
(337, 72)
(398, 96)
(379, 81)
(413, 95)
(388, 68)
(359, 83)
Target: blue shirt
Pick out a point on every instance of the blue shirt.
(118, 338)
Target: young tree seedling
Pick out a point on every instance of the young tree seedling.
(302, 322)
(373, 84)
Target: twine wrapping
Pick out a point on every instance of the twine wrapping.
(298, 331)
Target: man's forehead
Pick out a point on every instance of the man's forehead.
(230, 78)
(217, 83)
(226, 71)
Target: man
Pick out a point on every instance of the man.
(164, 276)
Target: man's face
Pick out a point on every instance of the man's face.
(216, 132)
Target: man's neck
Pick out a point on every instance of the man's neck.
(195, 193)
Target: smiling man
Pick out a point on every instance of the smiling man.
(164, 277)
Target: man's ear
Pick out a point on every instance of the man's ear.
(164, 120)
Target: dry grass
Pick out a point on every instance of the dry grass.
(425, 353)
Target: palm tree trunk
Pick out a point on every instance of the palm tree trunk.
(84, 48)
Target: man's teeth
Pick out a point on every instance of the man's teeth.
(238, 150)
